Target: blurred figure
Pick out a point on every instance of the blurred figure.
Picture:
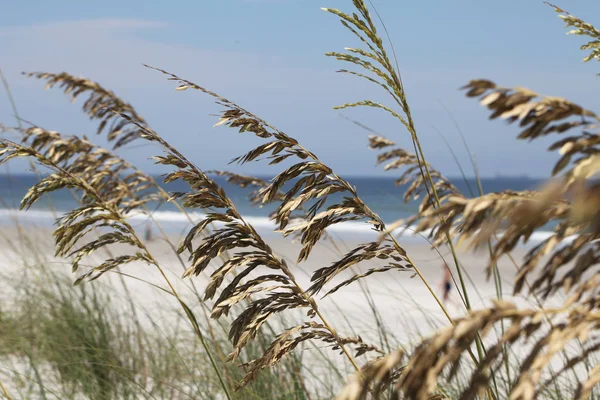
(148, 232)
(446, 283)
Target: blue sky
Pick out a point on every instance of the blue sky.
(268, 56)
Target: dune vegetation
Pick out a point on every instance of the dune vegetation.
(239, 320)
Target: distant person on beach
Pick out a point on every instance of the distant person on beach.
(446, 283)
(148, 232)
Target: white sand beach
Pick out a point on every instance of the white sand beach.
(406, 310)
(401, 297)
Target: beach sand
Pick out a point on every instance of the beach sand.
(401, 297)
(406, 310)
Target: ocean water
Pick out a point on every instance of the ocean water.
(380, 194)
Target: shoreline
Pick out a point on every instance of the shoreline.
(175, 222)
(400, 296)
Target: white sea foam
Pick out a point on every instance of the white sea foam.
(175, 221)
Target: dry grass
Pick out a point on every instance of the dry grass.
(249, 280)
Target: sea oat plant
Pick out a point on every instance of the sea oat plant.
(249, 280)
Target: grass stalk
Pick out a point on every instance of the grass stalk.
(495, 270)
(90, 190)
(423, 164)
(4, 391)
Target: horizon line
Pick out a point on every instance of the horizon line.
(497, 176)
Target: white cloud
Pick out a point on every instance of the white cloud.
(100, 25)
(112, 51)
